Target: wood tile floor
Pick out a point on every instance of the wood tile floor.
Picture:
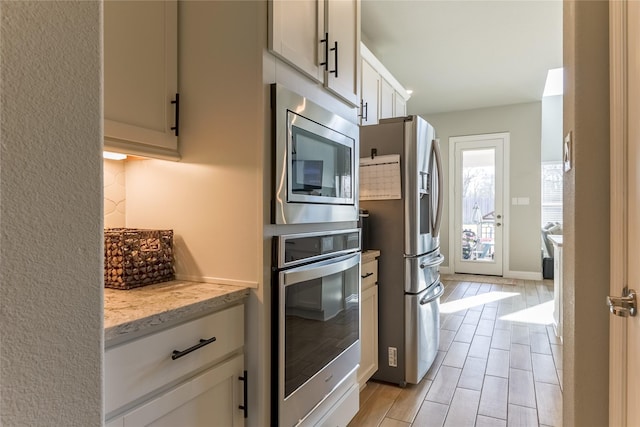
(499, 362)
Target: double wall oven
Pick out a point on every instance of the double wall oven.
(316, 256)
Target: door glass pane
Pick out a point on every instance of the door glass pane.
(478, 205)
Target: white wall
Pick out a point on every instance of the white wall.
(523, 122)
(51, 214)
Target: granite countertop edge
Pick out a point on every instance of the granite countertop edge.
(143, 310)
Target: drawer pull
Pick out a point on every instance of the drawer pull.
(245, 393)
(367, 275)
(178, 354)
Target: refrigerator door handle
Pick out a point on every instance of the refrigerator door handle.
(435, 147)
(429, 299)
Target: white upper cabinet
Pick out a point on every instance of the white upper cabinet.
(296, 27)
(141, 77)
(390, 99)
(343, 29)
(320, 38)
(370, 94)
(400, 108)
(387, 100)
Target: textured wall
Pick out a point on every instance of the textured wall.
(586, 215)
(50, 214)
(523, 122)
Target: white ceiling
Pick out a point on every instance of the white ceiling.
(459, 55)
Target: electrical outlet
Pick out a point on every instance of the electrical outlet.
(393, 357)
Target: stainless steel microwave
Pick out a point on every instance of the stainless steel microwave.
(315, 162)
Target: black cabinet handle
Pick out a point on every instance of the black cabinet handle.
(177, 354)
(245, 380)
(176, 128)
(366, 111)
(367, 275)
(325, 40)
(335, 49)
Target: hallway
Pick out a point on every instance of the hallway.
(499, 362)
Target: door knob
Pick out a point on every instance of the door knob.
(498, 224)
(623, 306)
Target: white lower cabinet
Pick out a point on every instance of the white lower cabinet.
(368, 321)
(210, 398)
(190, 375)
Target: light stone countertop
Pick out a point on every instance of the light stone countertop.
(132, 312)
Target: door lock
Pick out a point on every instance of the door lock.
(623, 306)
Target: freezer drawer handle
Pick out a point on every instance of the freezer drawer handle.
(178, 354)
(427, 300)
(437, 261)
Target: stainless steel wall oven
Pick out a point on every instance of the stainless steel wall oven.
(316, 319)
(315, 162)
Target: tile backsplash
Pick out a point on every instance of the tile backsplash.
(114, 194)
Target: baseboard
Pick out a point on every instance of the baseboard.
(525, 275)
(445, 269)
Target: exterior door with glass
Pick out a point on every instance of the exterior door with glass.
(477, 235)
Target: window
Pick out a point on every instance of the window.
(551, 192)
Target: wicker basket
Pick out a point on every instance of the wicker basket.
(135, 257)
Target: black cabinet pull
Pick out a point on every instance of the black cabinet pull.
(176, 128)
(366, 111)
(245, 393)
(178, 354)
(367, 275)
(325, 40)
(335, 49)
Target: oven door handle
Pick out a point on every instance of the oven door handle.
(319, 269)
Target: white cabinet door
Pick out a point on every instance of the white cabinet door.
(387, 100)
(370, 95)
(343, 27)
(400, 109)
(140, 76)
(211, 398)
(368, 335)
(295, 33)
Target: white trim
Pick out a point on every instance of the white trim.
(506, 195)
(524, 275)
(368, 56)
(445, 270)
(618, 45)
(217, 281)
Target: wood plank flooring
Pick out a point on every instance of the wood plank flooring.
(499, 362)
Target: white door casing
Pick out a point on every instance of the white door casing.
(624, 345)
(500, 143)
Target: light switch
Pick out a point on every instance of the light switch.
(523, 200)
(514, 201)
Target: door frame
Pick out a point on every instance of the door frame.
(618, 55)
(505, 136)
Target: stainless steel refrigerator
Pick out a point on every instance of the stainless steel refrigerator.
(406, 231)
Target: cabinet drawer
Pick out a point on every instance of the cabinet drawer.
(369, 274)
(137, 368)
